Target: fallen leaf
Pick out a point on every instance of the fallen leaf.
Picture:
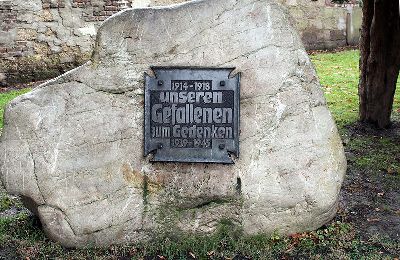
(391, 171)
(192, 255)
(133, 251)
(298, 235)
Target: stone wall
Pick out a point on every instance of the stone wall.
(40, 39)
(323, 25)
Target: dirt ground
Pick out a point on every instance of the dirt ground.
(370, 199)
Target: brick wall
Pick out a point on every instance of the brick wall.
(43, 38)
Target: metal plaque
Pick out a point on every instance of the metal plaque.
(192, 115)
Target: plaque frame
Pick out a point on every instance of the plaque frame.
(221, 150)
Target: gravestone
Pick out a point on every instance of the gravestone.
(74, 148)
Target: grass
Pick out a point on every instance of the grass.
(333, 241)
(375, 151)
(372, 153)
(5, 203)
(338, 74)
(8, 202)
(339, 77)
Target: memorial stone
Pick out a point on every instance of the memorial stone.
(95, 154)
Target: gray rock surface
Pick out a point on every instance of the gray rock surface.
(73, 147)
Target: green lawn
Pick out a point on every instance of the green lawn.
(339, 76)
(338, 73)
(21, 235)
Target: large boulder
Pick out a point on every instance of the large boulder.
(72, 148)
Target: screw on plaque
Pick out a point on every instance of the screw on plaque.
(160, 83)
(222, 83)
(221, 146)
(160, 146)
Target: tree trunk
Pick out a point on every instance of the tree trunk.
(380, 60)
